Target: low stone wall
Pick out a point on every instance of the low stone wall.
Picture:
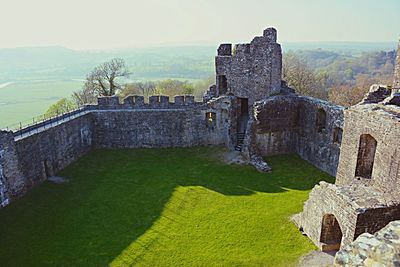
(160, 123)
(325, 199)
(356, 209)
(276, 125)
(380, 249)
(43, 153)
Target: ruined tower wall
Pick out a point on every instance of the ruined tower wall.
(44, 152)
(383, 124)
(276, 125)
(396, 82)
(289, 124)
(318, 138)
(252, 70)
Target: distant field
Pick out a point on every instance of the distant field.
(21, 101)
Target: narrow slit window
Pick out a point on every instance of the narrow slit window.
(321, 120)
(211, 119)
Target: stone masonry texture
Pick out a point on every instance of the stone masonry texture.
(396, 82)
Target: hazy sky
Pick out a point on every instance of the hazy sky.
(85, 24)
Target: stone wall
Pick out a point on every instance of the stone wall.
(12, 181)
(251, 70)
(289, 124)
(324, 199)
(382, 124)
(380, 249)
(319, 133)
(43, 153)
(396, 82)
(182, 123)
(357, 210)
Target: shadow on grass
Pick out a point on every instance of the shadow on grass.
(115, 196)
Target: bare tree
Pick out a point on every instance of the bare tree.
(86, 95)
(103, 78)
(102, 81)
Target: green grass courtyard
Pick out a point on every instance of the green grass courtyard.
(161, 207)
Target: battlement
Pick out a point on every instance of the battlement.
(154, 102)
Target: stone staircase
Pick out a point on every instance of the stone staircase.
(239, 142)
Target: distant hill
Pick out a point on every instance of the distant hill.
(183, 62)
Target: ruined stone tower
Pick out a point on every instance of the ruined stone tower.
(396, 82)
(251, 71)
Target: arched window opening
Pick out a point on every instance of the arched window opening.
(366, 156)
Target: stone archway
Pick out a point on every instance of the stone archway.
(331, 234)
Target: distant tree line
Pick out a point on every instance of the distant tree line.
(341, 79)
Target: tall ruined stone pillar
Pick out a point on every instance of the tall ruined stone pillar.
(396, 82)
(12, 182)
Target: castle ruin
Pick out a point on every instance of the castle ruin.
(251, 110)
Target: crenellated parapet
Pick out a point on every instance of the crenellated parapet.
(154, 102)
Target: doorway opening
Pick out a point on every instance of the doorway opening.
(242, 119)
(331, 234)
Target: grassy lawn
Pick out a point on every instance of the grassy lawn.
(161, 207)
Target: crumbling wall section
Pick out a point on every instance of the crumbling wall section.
(380, 249)
(357, 209)
(292, 124)
(319, 133)
(324, 199)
